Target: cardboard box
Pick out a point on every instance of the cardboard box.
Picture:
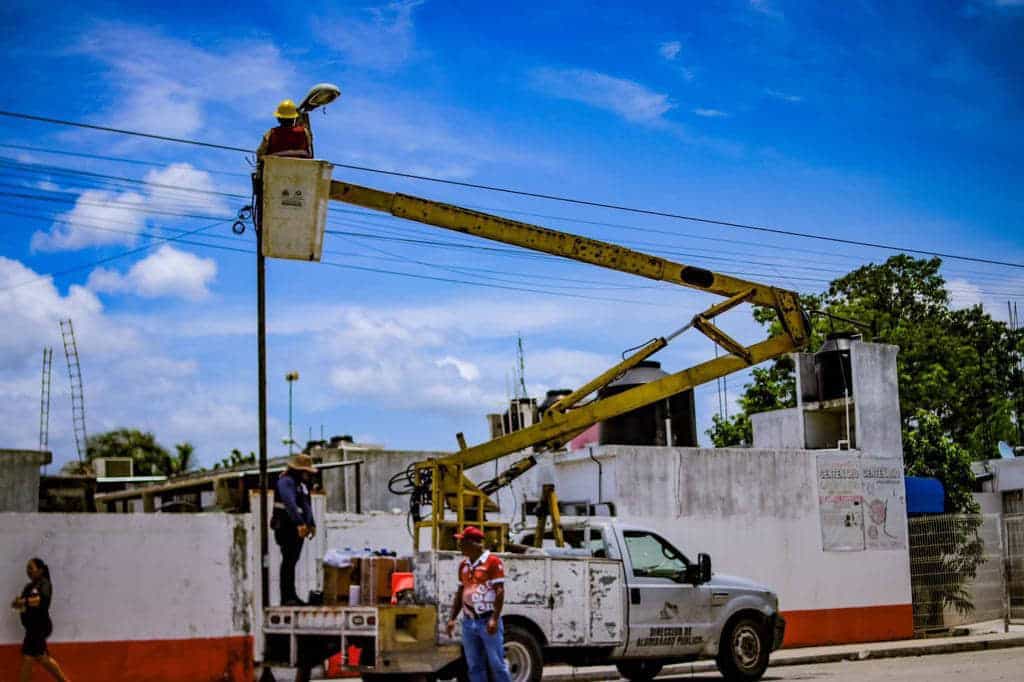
(336, 584)
(375, 579)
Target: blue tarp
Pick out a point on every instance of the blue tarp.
(924, 495)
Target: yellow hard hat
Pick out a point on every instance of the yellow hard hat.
(286, 109)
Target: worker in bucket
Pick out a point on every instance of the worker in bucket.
(292, 136)
(480, 598)
(292, 521)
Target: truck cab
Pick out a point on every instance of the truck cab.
(677, 609)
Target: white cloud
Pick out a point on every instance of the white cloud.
(184, 177)
(963, 294)
(785, 97)
(628, 99)
(167, 84)
(104, 218)
(670, 50)
(710, 113)
(381, 37)
(133, 377)
(467, 370)
(99, 218)
(166, 273)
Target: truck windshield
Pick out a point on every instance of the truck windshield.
(653, 557)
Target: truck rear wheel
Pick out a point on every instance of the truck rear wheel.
(639, 671)
(523, 655)
(743, 651)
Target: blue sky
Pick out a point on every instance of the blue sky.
(897, 124)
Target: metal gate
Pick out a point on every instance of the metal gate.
(956, 570)
(1013, 525)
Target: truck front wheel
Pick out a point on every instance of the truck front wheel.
(743, 651)
(523, 655)
(639, 671)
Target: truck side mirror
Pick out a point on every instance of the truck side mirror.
(704, 562)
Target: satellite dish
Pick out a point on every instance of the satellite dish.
(319, 95)
(1005, 451)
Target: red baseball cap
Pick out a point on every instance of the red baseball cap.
(470, 533)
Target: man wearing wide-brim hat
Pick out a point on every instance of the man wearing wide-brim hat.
(292, 521)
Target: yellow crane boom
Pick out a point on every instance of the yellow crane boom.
(441, 483)
(564, 420)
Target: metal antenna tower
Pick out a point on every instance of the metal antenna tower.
(522, 365)
(44, 399)
(67, 332)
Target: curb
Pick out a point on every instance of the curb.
(905, 651)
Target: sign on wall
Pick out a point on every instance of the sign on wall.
(862, 503)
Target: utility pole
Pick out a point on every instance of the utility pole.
(261, 351)
(291, 378)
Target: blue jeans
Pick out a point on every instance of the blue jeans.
(484, 650)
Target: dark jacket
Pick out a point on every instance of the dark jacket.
(37, 617)
(291, 504)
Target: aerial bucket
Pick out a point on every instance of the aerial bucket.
(294, 208)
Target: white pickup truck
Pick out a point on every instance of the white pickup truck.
(623, 595)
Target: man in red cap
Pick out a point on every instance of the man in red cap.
(480, 599)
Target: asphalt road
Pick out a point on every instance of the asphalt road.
(974, 666)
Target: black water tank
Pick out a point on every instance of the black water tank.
(552, 398)
(832, 366)
(646, 425)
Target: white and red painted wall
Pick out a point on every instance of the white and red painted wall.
(141, 597)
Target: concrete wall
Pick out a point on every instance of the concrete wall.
(778, 428)
(876, 398)
(377, 469)
(19, 479)
(1007, 474)
(756, 513)
(136, 596)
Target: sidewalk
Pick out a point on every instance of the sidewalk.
(983, 636)
(976, 638)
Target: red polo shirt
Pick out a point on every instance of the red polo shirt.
(479, 579)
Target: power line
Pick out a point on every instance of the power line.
(110, 204)
(63, 170)
(121, 131)
(490, 286)
(537, 195)
(123, 254)
(43, 169)
(699, 258)
(117, 159)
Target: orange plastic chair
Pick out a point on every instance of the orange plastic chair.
(400, 582)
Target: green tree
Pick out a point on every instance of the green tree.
(149, 458)
(959, 365)
(771, 388)
(236, 459)
(182, 461)
(945, 551)
(929, 451)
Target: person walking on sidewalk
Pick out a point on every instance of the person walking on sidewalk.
(480, 599)
(34, 607)
(292, 521)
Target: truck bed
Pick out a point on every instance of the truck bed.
(575, 601)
